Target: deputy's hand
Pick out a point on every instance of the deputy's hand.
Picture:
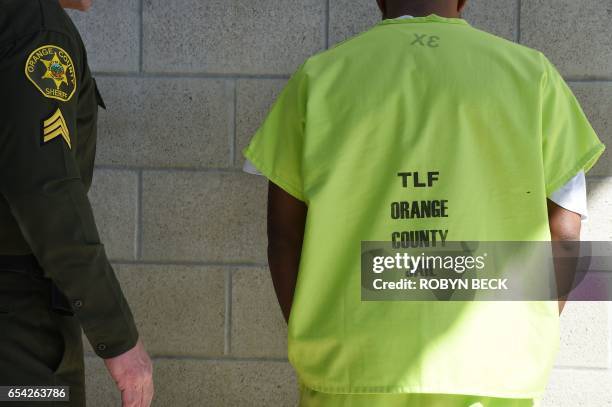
(82, 5)
(133, 373)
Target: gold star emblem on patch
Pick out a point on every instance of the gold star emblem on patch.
(51, 70)
(55, 126)
(56, 71)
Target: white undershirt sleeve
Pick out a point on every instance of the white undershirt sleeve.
(248, 167)
(573, 196)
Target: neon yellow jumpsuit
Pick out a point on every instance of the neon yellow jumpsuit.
(502, 129)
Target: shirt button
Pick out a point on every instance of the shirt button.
(77, 303)
(101, 347)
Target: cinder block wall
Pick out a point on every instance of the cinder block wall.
(186, 83)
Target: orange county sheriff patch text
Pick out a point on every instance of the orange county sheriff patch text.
(51, 70)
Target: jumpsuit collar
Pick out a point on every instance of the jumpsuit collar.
(432, 18)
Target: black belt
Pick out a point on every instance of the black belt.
(28, 264)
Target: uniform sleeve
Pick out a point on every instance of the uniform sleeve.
(41, 180)
(276, 149)
(569, 143)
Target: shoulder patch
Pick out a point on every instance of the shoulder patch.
(55, 126)
(51, 70)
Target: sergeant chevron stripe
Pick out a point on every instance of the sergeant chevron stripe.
(56, 126)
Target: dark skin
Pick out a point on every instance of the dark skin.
(419, 8)
(287, 215)
(564, 227)
(286, 223)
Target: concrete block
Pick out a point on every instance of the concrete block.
(179, 310)
(596, 101)
(599, 224)
(254, 98)
(578, 388)
(258, 326)
(575, 35)
(114, 198)
(350, 17)
(585, 335)
(157, 122)
(231, 37)
(192, 383)
(211, 216)
(498, 17)
(100, 389)
(110, 31)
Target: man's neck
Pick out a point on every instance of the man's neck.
(422, 10)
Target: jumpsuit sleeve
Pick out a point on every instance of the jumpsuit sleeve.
(41, 179)
(276, 150)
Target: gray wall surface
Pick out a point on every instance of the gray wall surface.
(187, 82)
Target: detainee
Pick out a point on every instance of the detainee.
(420, 92)
(55, 277)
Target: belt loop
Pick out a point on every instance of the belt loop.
(59, 302)
(21, 264)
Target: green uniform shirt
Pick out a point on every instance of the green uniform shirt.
(47, 147)
(499, 129)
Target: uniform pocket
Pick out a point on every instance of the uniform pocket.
(58, 365)
(70, 358)
(70, 371)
